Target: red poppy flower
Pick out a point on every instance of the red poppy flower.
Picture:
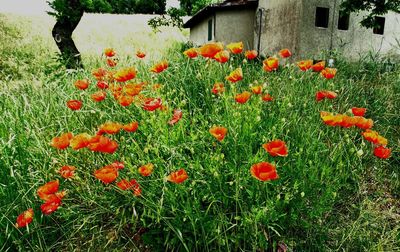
(24, 218)
(276, 148)
(222, 56)
(256, 89)
(80, 141)
(320, 95)
(358, 111)
(107, 174)
(270, 64)
(82, 84)
(125, 100)
(285, 53)
(267, 98)
(304, 65)
(318, 67)
(159, 67)
(329, 73)
(364, 123)
(209, 50)
(99, 74)
(175, 117)
(50, 206)
(111, 62)
(146, 170)
(102, 144)
(67, 171)
(109, 128)
(382, 152)
(62, 141)
(140, 54)
(235, 48)
(218, 88)
(109, 52)
(133, 89)
(131, 127)
(126, 185)
(243, 97)
(102, 84)
(50, 188)
(219, 132)
(374, 137)
(264, 171)
(191, 53)
(250, 55)
(74, 104)
(118, 165)
(177, 177)
(151, 104)
(98, 96)
(235, 76)
(125, 74)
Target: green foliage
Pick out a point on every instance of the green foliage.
(373, 7)
(191, 7)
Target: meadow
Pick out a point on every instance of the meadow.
(326, 192)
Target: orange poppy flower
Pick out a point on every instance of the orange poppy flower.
(276, 148)
(175, 117)
(80, 141)
(347, 121)
(74, 104)
(50, 206)
(243, 97)
(191, 53)
(24, 218)
(140, 54)
(267, 98)
(374, 137)
(222, 56)
(235, 76)
(146, 170)
(50, 188)
(219, 132)
(99, 74)
(118, 165)
(358, 111)
(109, 52)
(209, 50)
(256, 89)
(159, 67)
(320, 95)
(133, 89)
(112, 62)
(250, 55)
(177, 177)
(82, 84)
(364, 123)
(67, 171)
(285, 53)
(125, 100)
(107, 174)
(131, 127)
(270, 64)
(109, 128)
(125, 74)
(382, 152)
(126, 185)
(115, 87)
(318, 67)
(102, 144)
(102, 84)
(98, 96)
(264, 171)
(218, 88)
(304, 65)
(329, 73)
(235, 48)
(62, 141)
(151, 104)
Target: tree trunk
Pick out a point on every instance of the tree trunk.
(62, 34)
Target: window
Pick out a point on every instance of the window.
(379, 25)
(344, 20)
(322, 17)
(210, 25)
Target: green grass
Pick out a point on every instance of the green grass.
(327, 198)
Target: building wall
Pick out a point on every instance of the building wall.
(199, 32)
(235, 26)
(280, 23)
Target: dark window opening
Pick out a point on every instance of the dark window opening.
(210, 24)
(344, 20)
(322, 17)
(379, 25)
